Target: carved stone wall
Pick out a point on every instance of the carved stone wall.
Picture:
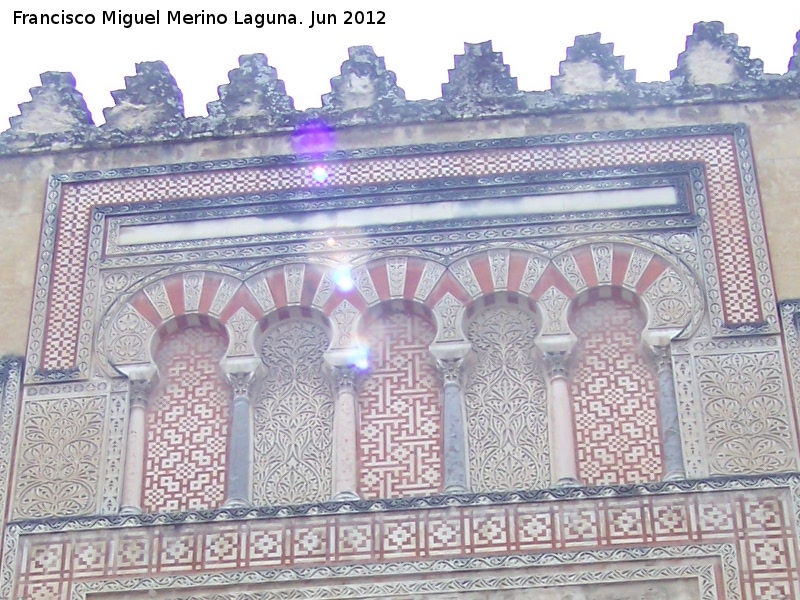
(614, 391)
(400, 428)
(293, 417)
(506, 397)
(187, 424)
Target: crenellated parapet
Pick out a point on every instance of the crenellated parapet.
(481, 84)
(255, 100)
(150, 102)
(713, 68)
(364, 92)
(592, 67)
(55, 116)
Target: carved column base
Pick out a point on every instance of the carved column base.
(130, 510)
(565, 482)
(236, 503)
(675, 475)
(346, 497)
(456, 489)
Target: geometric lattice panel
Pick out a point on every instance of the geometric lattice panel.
(614, 392)
(187, 424)
(400, 431)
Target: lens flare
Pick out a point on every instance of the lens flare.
(343, 278)
(320, 174)
(359, 357)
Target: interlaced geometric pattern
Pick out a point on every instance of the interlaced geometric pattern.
(400, 429)
(614, 394)
(293, 417)
(728, 216)
(187, 424)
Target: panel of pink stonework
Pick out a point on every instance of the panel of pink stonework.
(399, 435)
(614, 390)
(187, 424)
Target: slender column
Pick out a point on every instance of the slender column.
(668, 416)
(563, 463)
(240, 456)
(345, 480)
(133, 476)
(456, 474)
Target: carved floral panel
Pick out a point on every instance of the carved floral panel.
(506, 404)
(293, 417)
(745, 413)
(60, 454)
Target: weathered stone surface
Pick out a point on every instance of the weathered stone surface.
(255, 98)
(591, 67)
(713, 57)
(365, 91)
(151, 100)
(481, 84)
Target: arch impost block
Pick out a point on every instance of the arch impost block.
(450, 350)
(660, 337)
(240, 364)
(556, 343)
(339, 357)
(139, 372)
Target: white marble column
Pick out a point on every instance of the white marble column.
(668, 415)
(345, 475)
(563, 454)
(241, 445)
(133, 476)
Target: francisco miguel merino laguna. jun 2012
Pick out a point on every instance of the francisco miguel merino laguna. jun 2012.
(171, 17)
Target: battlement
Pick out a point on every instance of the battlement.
(713, 68)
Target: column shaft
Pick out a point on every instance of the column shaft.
(240, 447)
(668, 417)
(133, 476)
(564, 463)
(455, 442)
(345, 480)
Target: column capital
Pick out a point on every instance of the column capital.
(450, 357)
(344, 377)
(450, 369)
(557, 363)
(663, 357)
(139, 391)
(240, 382)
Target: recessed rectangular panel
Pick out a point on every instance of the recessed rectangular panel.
(429, 212)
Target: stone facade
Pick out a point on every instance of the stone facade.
(507, 344)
